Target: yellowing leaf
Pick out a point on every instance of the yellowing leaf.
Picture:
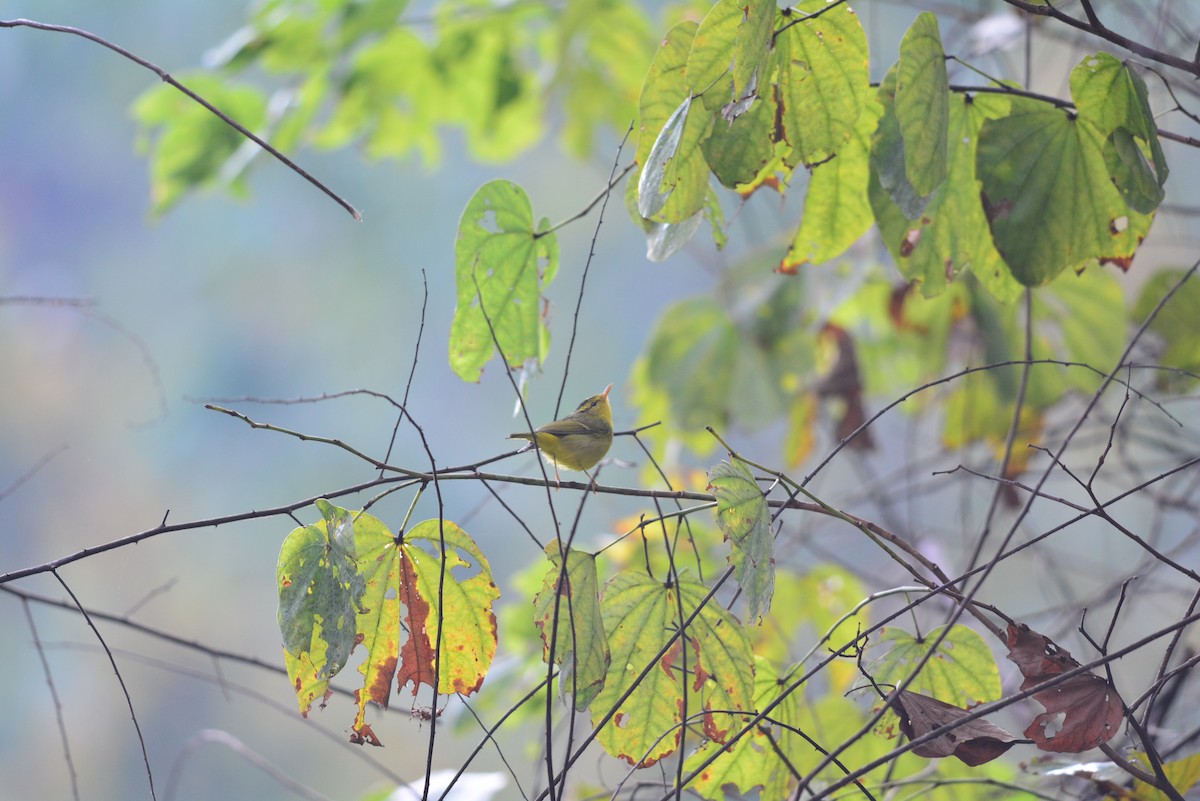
(319, 592)
(1181, 773)
(448, 618)
(836, 208)
(710, 666)
(962, 672)
(744, 518)
(762, 759)
(567, 611)
(822, 78)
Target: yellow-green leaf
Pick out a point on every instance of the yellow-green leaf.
(501, 267)
(1176, 322)
(1048, 195)
(189, 146)
(823, 77)
(710, 666)
(679, 182)
(951, 233)
(567, 611)
(693, 351)
(962, 672)
(1114, 97)
(762, 759)
(1181, 773)
(836, 209)
(922, 104)
(745, 520)
(319, 592)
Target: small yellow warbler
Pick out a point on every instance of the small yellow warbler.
(579, 440)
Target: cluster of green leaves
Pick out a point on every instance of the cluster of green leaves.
(977, 194)
(359, 71)
(1012, 188)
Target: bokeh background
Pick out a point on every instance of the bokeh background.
(277, 295)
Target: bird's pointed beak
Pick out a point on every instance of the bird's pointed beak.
(606, 391)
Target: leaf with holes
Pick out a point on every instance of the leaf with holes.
(502, 265)
(1082, 712)
(1049, 199)
(320, 590)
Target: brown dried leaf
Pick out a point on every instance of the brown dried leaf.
(974, 742)
(1082, 712)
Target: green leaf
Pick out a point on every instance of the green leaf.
(1130, 171)
(485, 88)
(1114, 97)
(837, 211)
(392, 96)
(888, 161)
(189, 146)
(951, 233)
(498, 248)
(601, 51)
(693, 350)
(737, 151)
(1175, 324)
(962, 671)
(654, 186)
(567, 611)
(710, 60)
(319, 592)
(1078, 311)
(712, 660)
(922, 104)
(1048, 196)
(764, 758)
(823, 78)
(745, 520)
(752, 44)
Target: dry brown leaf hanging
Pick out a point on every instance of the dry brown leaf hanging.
(1082, 712)
(974, 742)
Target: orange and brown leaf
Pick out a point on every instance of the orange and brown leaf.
(411, 587)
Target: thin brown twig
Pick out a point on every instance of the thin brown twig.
(166, 78)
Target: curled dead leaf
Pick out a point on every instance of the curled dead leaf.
(974, 741)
